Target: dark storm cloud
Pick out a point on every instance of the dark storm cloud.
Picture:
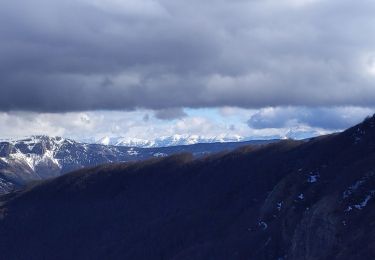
(169, 114)
(73, 55)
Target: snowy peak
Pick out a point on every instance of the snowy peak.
(33, 153)
(35, 145)
(122, 141)
(104, 141)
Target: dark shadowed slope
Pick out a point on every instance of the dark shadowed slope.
(290, 200)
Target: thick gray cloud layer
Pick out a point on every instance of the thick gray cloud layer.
(74, 55)
(327, 118)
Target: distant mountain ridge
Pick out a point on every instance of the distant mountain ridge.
(42, 157)
(185, 139)
(166, 141)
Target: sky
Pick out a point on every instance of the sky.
(149, 68)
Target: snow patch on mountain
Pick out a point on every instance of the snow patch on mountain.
(36, 150)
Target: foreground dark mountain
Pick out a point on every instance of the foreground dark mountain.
(289, 200)
(42, 157)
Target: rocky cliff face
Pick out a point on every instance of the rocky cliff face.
(288, 200)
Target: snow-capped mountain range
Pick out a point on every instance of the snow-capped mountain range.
(166, 141)
(176, 140)
(42, 157)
